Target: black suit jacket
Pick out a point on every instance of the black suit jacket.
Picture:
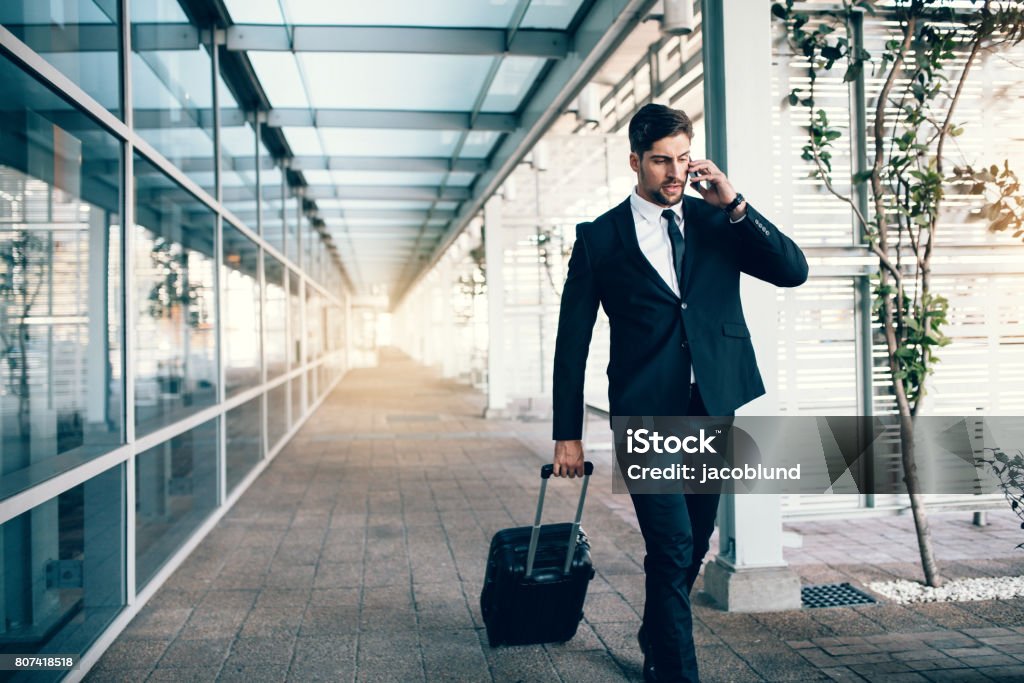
(655, 335)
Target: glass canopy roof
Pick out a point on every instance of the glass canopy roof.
(406, 100)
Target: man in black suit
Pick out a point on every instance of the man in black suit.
(666, 268)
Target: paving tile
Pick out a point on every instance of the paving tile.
(157, 623)
(959, 676)
(131, 654)
(324, 658)
(205, 674)
(184, 654)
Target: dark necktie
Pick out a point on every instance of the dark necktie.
(675, 236)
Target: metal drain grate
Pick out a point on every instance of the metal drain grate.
(834, 595)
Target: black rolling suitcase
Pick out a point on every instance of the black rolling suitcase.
(537, 578)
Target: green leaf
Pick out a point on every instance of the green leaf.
(779, 11)
(831, 53)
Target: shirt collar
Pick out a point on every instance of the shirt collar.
(651, 212)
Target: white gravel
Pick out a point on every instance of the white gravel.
(961, 590)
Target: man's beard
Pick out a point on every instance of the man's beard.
(664, 200)
(661, 198)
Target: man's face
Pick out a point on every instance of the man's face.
(661, 171)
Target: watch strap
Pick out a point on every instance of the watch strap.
(734, 203)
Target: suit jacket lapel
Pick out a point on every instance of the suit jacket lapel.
(623, 217)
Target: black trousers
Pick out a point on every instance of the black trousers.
(677, 529)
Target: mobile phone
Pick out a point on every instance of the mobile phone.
(694, 174)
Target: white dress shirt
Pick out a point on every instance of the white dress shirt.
(652, 234)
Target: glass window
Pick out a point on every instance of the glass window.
(172, 93)
(311, 387)
(175, 490)
(464, 13)
(551, 14)
(324, 372)
(60, 286)
(62, 567)
(244, 440)
(271, 180)
(381, 142)
(297, 408)
(303, 141)
(291, 211)
(276, 339)
(277, 413)
(175, 319)
(514, 79)
(295, 308)
(314, 333)
(351, 80)
(479, 144)
(81, 38)
(238, 158)
(307, 243)
(241, 307)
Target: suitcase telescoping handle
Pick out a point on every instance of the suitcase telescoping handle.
(545, 473)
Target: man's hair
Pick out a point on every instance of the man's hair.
(654, 122)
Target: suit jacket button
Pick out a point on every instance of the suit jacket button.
(684, 345)
(684, 306)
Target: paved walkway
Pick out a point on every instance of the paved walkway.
(358, 555)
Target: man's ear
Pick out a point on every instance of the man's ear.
(634, 162)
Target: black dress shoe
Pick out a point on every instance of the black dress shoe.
(641, 639)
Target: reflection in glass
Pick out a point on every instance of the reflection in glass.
(291, 211)
(271, 179)
(81, 38)
(297, 407)
(175, 340)
(238, 157)
(277, 414)
(60, 287)
(314, 331)
(295, 308)
(62, 567)
(175, 490)
(276, 339)
(172, 91)
(311, 387)
(244, 440)
(241, 331)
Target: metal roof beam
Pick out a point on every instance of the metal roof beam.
(47, 38)
(427, 164)
(314, 192)
(355, 216)
(150, 119)
(385, 192)
(416, 40)
(314, 163)
(391, 119)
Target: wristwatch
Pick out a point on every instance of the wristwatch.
(733, 204)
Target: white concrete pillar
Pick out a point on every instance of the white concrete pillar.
(497, 382)
(749, 573)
